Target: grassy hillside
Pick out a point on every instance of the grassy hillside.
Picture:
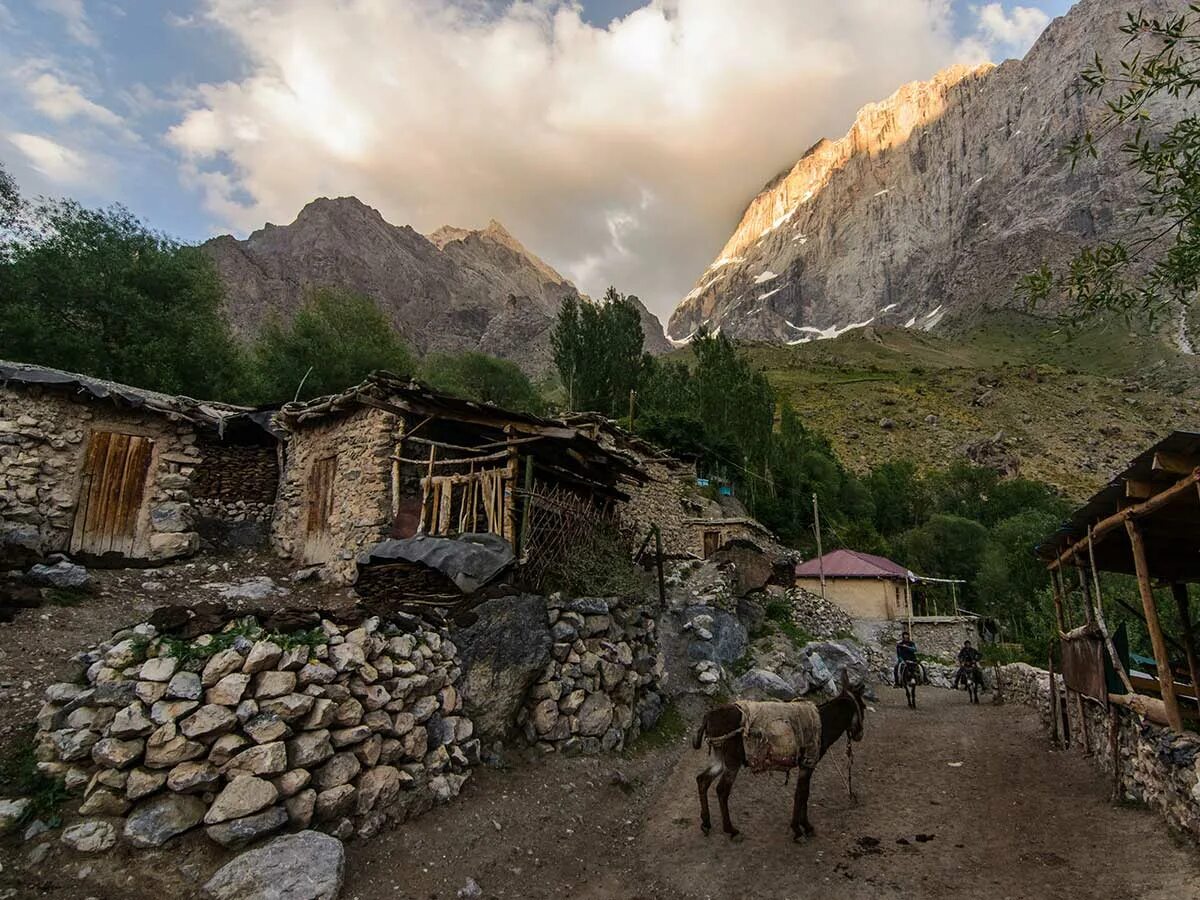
(1072, 407)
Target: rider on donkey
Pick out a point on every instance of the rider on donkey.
(906, 652)
(968, 657)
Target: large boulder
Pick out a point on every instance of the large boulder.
(752, 566)
(761, 684)
(502, 654)
(62, 574)
(303, 866)
(728, 640)
(823, 663)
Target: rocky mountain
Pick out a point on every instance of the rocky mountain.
(452, 290)
(937, 199)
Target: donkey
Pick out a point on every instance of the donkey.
(723, 724)
(910, 677)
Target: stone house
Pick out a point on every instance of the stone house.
(389, 458)
(105, 471)
(865, 586)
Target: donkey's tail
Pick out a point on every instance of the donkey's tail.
(698, 738)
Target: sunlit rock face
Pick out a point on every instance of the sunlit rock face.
(936, 200)
(457, 289)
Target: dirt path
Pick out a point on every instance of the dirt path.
(1008, 819)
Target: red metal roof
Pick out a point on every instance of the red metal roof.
(852, 564)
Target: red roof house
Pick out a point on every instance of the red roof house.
(865, 586)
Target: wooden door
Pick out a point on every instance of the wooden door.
(319, 509)
(110, 497)
(712, 542)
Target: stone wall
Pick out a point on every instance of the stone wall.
(362, 443)
(344, 728)
(43, 438)
(236, 483)
(600, 688)
(662, 501)
(1158, 767)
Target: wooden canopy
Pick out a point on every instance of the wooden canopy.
(1145, 523)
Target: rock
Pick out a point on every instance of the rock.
(62, 574)
(225, 748)
(760, 684)
(309, 749)
(171, 517)
(72, 745)
(173, 545)
(262, 656)
(544, 716)
(502, 654)
(166, 711)
(292, 782)
(264, 759)
(261, 587)
(289, 707)
(117, 754)
(210, 720)
(131, 721)
(300, 808)
(729, 639)
(222, 663)
(244, 796)
(184, 686)
(335, 802)
(249, 828)
(266, 727)
(154, 822)
(193, 777)
(90, 837)
(144, 782)
(228, 690)
(377, 788)
(595, 715)
(166, 748)
(470, 890)
(103, 802)
(343, 737)
(341, 769)
(158, 669)
(315, 673)
(347, 657)
(273, 684)
(12, 812)
(303, 866)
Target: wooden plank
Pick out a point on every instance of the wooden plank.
(1141, 490)
(114, 470)
(133, 489)
(1166, 681)
(93, 525)
(1174, 463)
(1183, 604)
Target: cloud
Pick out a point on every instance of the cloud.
(60, 165)
(75, 19)
(60, 100)
(621, 154)
(1000, 33)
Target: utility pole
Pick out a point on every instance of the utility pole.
(632, 397)
(820, 555)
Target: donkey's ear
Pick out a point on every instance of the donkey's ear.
(845, 681)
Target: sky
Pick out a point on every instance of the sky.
(619, 140)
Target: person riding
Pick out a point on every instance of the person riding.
(906, 652)
(968, 656)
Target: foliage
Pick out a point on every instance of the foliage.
(600, 566)
(597, 350)
(95, 291)
(334, 341)
(486, 379)
(201, 650)
(10, 200)
(669, 728)
(1159, 265)
(19, 777)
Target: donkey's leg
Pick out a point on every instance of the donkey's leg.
(703, 780)
(724, 786)
(800, 823)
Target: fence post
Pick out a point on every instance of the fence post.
(662, 584)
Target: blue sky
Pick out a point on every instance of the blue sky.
(606, 135)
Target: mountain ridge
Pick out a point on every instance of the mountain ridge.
(935, 200)
(456, 289)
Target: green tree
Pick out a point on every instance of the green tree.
(334, 341)
(10, 199)
(1158, 264)
(946, 547)
(477, 376)
(900, 495)
(95, 291)
(598, 351)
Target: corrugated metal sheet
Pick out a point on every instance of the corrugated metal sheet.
(852, 564)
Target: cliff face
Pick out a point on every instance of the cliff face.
(937, 199)
(454, 290)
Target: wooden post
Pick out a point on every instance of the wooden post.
(1085, 587)
(510, 489)
(426, 488)
(1098, 600)
(1180, 591)
(524, 552)
(817, 531)
(1114, 748)
(1054, 735)
(1084, 729)
(658, 555)
(1166, 680)
(1056, 590)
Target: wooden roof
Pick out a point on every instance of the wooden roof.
(1159, 490)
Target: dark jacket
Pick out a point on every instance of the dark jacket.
(906, 651)
(969, 655)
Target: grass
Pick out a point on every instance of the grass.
(669, 728)
(67, 596)
(191, 651)
(19, 777)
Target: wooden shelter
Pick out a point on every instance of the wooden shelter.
(391, 458)
(1145, 523)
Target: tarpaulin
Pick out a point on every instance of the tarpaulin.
(1083, 666)
(469, 560)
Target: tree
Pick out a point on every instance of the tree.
(95, 291)
(946, 547)
(1158, 265)
(334, 341)
(477, 376)
(10, 200)
(598, 351)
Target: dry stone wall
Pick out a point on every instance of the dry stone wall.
(43, 439)
(600, 687)
(1158, 767)
(362, 443)
(661, 501)
(243, 733)
(236, 483)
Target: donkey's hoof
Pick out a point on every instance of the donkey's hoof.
(706, 828)
(735, 836)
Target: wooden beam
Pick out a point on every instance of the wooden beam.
(1118, 666)
(1104, 526)
(1189, 642)
(1165, 679)
(1174, 463)
(1140, 490)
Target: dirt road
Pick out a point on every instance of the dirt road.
(952, 801)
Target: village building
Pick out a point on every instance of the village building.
(690, 523)
(108, 472)
(863, 585)
(389, 458)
